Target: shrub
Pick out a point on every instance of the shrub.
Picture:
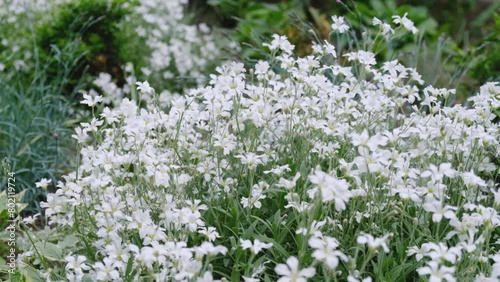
(95, 24)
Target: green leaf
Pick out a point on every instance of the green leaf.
(50, 251)
(31, 274)
(3, 265)
(71, 122)
(129, 271)
(69, 241)
(486, 15)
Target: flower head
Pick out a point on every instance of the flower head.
(43, 183)
(374, 243)
(91, 99)
(144, 87)
(290, 271)
(330, 188)
(339, 24)
(405, 22)
(256, 246)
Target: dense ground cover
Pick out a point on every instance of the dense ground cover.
(329, 166)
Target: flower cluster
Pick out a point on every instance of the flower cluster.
(177, 49)
(337, 160)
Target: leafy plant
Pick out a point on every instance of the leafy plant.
(36, 124)
(313, 167)
(487, 49)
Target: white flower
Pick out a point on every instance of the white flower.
(496, 266)
(472, 180)
(437, 174)
(256, 247)
(208, 248)
(407, 23)
(351, 278)
(374, 243)
(256, 272)
(364, 57)
(93, 125)
(91, 99)
(418, 252)
(43, 183)
(280, 42)
(250, 159)
(440, 252)
(226, 142)
(261, 68)
(364, 140)
(325, 49)
(76, 263)
(106, 271)
(109, 115)
(326, 251)
(437, 273)
(210, 232)
(31, 219)
(254, 199)
(191, 219)
(288, 184)
(437, 209)
(73, 277)
(329, 49)
(81, 135)
(250, 279)
(278, 170)
(290, 271)
(339, 24)
(385, 28)
(207, 277)
(144, 87)
(330, 188)
(496, 196)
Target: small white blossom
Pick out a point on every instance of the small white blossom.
(256, 246)
(43, 183)
(405, 22)
(339, 24)
(144, 87)
(290, 271)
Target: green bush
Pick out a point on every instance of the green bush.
(488, 67)
(95, 24)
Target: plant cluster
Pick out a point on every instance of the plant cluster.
(62, 46)
(179, 53)
(67, 45)
(327, 167)
(455, 48)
